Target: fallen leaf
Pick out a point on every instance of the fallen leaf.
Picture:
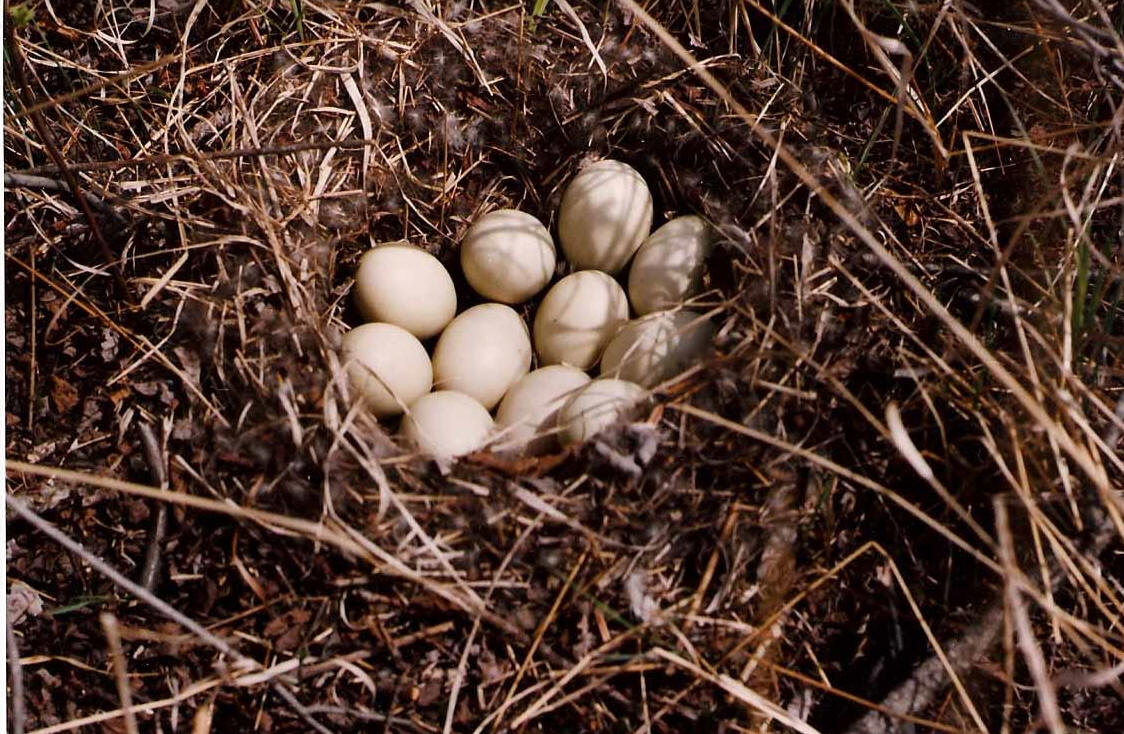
(22, 601)
(138, 511)
(185, 430)
(430, 692)
(108, 346)
(51, 493)
(118, 395)
(192, 367)
(288, 640)
(63, 394)
(287, 630)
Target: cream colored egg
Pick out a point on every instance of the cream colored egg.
(606, 212)
(578, 317)
(597, 406)
(446, 424)
(657, 347)
(507, 256)
(404, 285)
(482, 353)
(668, 267)
(387, 367)
(528, 413)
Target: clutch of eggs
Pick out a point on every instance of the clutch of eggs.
(481, 358)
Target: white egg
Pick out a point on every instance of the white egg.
(482, 353)
(446, 424)
(528, 413)
(578, 317)
(656, 347)
(507, 256)
(387, 367)
(404, 285)
(606, 212)
(668, 267)
(597, 406)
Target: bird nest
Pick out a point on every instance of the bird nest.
(888, 500)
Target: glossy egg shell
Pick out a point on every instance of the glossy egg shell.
(482, 353)
(528, 413)
(656, 347)
(446, 424)
(597, 406)
(387, 367)
(507, 256)
(606, 212)
(404, 285)
(578, 317)
(668, 267)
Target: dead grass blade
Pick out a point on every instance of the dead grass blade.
(738, 690)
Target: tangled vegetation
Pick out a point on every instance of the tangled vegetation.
(890, 502)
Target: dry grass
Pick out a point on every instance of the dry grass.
(890, 502)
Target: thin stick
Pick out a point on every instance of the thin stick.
(161, 159)
(843, 472)
(739, 691)
(120, 671)
(1025, 637)
(154, 455)
(113, 81)
(16, 681)
(343, 537)
(33, 319)
(918, 691)
(43, 183)
(458, 679)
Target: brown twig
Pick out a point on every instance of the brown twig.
(776, 574)
(120, 669)
(929, 679)
(1075, 450)
(217, 155)
(154, 456)
(19, 715)
(27, 181)
(1024, 630)
(113, 81)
